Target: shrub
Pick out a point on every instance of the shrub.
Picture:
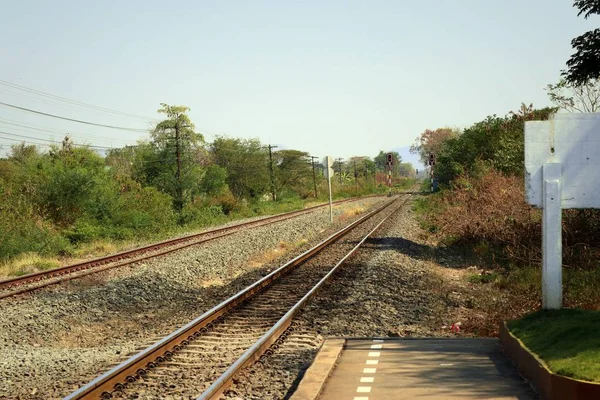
(490, 209)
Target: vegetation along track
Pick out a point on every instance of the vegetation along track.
(204, 355)
(37, 280)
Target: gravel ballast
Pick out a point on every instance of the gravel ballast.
(384, 291)
(57, 338)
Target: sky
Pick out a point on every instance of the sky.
(339, 78)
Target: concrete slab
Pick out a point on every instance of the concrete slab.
(378, 369)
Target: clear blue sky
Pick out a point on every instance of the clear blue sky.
(341, 78)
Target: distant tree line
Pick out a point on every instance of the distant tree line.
(52, 201)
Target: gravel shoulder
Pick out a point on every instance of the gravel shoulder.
(389, 289)
(57, 338)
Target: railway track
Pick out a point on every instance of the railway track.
(37, 280)
(203, 356)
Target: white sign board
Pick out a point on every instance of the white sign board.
(562, 160)
(573, 141)
(328, 164)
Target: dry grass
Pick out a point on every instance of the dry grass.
(211, 282)
(274, 253)
(351, 211)
(28, 263)
(98, 248)
(271, 254)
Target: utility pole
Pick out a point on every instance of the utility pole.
(271, 171)
(339, 160)
(432, 164)
(178, 152)
(312, 161)
(390, 162)
(355, 177)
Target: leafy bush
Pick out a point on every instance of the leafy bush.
(496, 141)
(22, 230)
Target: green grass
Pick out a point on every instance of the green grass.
(567, 340)
(483, 278)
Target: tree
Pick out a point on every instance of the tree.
(293, 170)
(572, 98)
(496, 141)
(381, 159)
(247, 164)
(406, 170)
(176, 152)
(584, 64)
(214, 181)
(430, 142)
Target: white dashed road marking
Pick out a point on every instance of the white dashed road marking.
(370, 379)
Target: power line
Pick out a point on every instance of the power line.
(73, 102)
(24, 141)
(61, 132)
(47, 140)
(73, 120)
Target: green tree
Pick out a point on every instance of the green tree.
(246, 162)
(175, 156)
(293, 171)
(584, 64)
(495, 141)
(406, 170)
(214, 181)
(381, 159)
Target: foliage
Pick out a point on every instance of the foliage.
(381, 159)
(293, 171)
(62, 201)
(406, 170)
(214, 181)
(175, 155)
(584, 64)
(246, 162)
(582, 98)
(497, 215)
(495, 141)
(430, 142)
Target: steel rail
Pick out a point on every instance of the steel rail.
(266, 341)
(135, 366)
(98, 264)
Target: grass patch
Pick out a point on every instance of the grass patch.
(567, 340)
(483, 278)
(27, 263)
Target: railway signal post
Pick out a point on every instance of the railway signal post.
(431, 165)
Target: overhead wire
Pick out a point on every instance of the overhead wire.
(48, 140)
(60, 132)
(73, 119)
(74, 102)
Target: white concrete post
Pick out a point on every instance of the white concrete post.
(552, 237)
(330, 199)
